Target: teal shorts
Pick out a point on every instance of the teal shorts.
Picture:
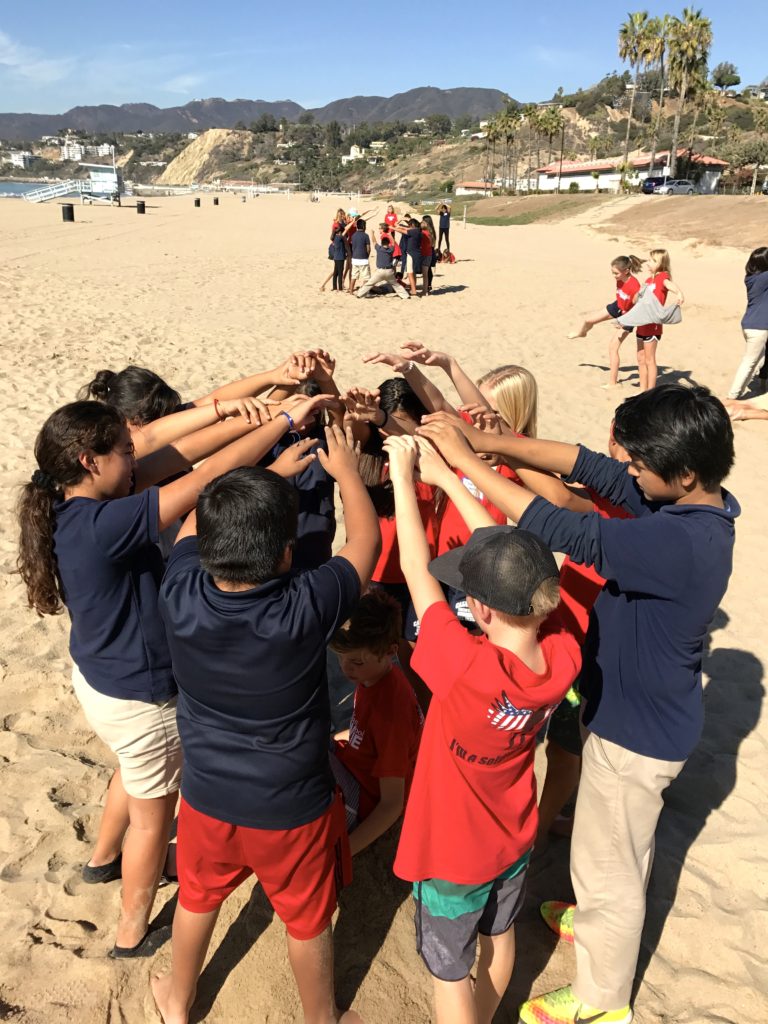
(449, 918)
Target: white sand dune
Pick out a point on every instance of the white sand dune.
(205, 295)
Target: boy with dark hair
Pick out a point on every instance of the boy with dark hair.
(667, 571)
(373, 760)
(248, 643)
(385, 271)
(471, 818)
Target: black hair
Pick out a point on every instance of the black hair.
(360, 225)
(65, 435)
(245, 520)
(375, 625)
(758, 261)
(397, 395)
(675, 430)
(138, 394)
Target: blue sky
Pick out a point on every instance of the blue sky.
(53, 58)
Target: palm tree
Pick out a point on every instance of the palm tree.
(760, 120)
(552, 124)
(493, 136)
(690, 40)
(658, 47)
(634, 48)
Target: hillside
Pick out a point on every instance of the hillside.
(200, 115)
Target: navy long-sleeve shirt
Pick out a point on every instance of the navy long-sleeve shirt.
(666, 572)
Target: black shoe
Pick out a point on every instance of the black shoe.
(104, 872)
(148, 946)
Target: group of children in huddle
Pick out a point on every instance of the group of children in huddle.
(399, 260)
(191, 544)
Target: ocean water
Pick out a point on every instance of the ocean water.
(16, 189)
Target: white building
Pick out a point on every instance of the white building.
(474, 188)
(355, 153)
(605, 176)
(378, 145)
(72, 151)
(21, 158)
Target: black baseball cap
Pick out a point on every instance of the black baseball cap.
(499, 565)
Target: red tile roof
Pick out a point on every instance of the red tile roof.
(581, 167)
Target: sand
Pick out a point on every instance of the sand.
(206, 295)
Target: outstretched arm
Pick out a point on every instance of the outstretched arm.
(468, 391)
(284, 374)
(151, 437)
(412, 541)
(428, 393)
(553, 456)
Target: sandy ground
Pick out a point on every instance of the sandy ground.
(206, 295)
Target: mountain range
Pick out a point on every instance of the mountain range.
(219, 113)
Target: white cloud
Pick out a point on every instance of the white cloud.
(30, 64)
(183, 83)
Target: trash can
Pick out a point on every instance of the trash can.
(197, 202)
(68, 212)
(140, 206)
(215, 200)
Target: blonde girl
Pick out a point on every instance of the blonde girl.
(648, 335)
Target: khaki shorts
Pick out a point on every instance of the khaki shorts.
(361, 272)
(142, 736)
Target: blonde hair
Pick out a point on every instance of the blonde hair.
(545, 600)
(661, 258)
(515, 396)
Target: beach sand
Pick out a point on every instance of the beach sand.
(206, 295)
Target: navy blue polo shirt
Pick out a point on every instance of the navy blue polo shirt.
(338, 247)
(384, 257)
(445, 221)
(111, 568)
(316, 527)
(666, 572)
(361, 245)
(253, 710)
(413, 241)
(756, 316)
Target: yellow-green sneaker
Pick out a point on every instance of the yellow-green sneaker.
(558, 916)
(562, 1007)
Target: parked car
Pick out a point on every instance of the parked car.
(676, 187)
(649, 184)
(765, 187)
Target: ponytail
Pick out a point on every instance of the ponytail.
(65, 435)
(140, 395)
(633, 264)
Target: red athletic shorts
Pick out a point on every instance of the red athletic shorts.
(301, 870)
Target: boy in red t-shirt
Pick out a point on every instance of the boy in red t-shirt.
(471, 818)
(373, 760)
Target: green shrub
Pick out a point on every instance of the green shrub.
(573, 187)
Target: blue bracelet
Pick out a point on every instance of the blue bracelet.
(291, 424)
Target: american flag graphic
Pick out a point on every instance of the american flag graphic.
(504, 715)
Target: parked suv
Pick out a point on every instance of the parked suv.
(649, 184)
(676, 187)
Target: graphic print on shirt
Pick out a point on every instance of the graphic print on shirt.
(504, 715)
(356, 734)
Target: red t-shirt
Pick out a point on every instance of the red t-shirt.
(391, 219)
(657, 284)
(580, 584)
(426, 244)
(472, 808)
(453, 531)
(388, 566)
(626, 292)
(384, 736)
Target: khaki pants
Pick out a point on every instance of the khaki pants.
(618, 807)
(754, 350)
(382, 277)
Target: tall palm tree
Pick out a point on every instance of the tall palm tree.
(760, 121)
(658, 47)
(634, 48)
(552, 124)
(493, 136)
(690, 40)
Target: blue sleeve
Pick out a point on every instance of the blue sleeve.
(652, 555)
(184, 558)
(610, 479)
(122, 526)
(333, 591)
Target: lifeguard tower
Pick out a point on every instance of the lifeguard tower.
(104, 185)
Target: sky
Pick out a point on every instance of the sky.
(170, 53)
